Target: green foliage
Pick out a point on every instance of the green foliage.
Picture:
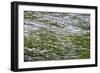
(29, 15)
(28, 41)
(82, 43)
(47, 44)
(57, 46)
